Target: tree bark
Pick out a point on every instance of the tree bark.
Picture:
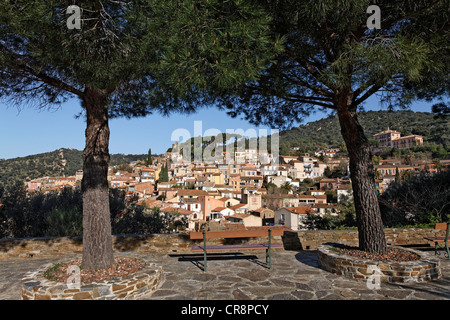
(97, 238)
(368, 216)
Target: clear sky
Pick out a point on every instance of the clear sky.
(31, 131)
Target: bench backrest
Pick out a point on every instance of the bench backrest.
(441, 226)
(235, 234)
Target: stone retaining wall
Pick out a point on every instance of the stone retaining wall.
(144, 281)
(311, 239)
(180, 243)
(154, 243)
(424, 269)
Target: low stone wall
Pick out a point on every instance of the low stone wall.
(180, 243)
(36, 287)
(424, 269)
(311, 239)
(154, 243)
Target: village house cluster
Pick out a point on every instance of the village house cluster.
(233, 193)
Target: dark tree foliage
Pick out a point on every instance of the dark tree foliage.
(333, 62)
(60, 214)
(421, 199)
(441, 110)
(38, 215)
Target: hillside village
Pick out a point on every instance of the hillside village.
(244, 189)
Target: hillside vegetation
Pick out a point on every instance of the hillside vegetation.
(326, 132)
(56, 163)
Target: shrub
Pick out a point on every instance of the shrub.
(421, 199)
(64, 222)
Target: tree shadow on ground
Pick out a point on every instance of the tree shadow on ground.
(309, 258)
(197, 259)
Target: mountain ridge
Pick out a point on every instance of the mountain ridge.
(60, 162)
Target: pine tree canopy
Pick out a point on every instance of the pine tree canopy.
(127, 58)
(146, 55)
(330, 52)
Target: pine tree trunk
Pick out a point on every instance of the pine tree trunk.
(368, 216)
(97, 238)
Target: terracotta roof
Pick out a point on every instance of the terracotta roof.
(240, 215)
(189, 192)
(237, 206)
(186, 212)
(218, 209)
(262, 209)
(300, 210)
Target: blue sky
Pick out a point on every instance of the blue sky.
(31, 131)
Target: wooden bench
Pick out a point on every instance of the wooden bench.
(236, 247)
(438, 240)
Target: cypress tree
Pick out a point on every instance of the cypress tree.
(149, 161)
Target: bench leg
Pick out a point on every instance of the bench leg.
(268, 251)
(269, 258)
(447, 249)
(204, 251)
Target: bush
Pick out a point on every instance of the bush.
(315, 221)
(60, 214)
(64, 222)
(135, 221)
(421, 199)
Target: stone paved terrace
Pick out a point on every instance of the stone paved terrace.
(295, 276)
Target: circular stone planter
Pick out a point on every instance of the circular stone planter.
(144, 281)
(424, 269)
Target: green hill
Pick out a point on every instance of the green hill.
(326, 132)
(56, 163)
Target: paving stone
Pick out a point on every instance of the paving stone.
(303, 286)
(321, 284)
(204, 277)
(348, 293)
(239, 295)
(283, 283)
(263, 291)
(334, 296)
(283, 296)
(163, 292)
(302, 295)
(252, 275)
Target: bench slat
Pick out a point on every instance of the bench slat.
(435, 238)
(238, 247)
(236, 234)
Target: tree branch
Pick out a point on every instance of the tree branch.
(38, 75)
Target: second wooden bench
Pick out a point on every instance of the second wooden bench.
(438, 240)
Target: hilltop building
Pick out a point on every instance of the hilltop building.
(393, 139)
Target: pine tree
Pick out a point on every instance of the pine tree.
(127, 59)
(333, 62)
